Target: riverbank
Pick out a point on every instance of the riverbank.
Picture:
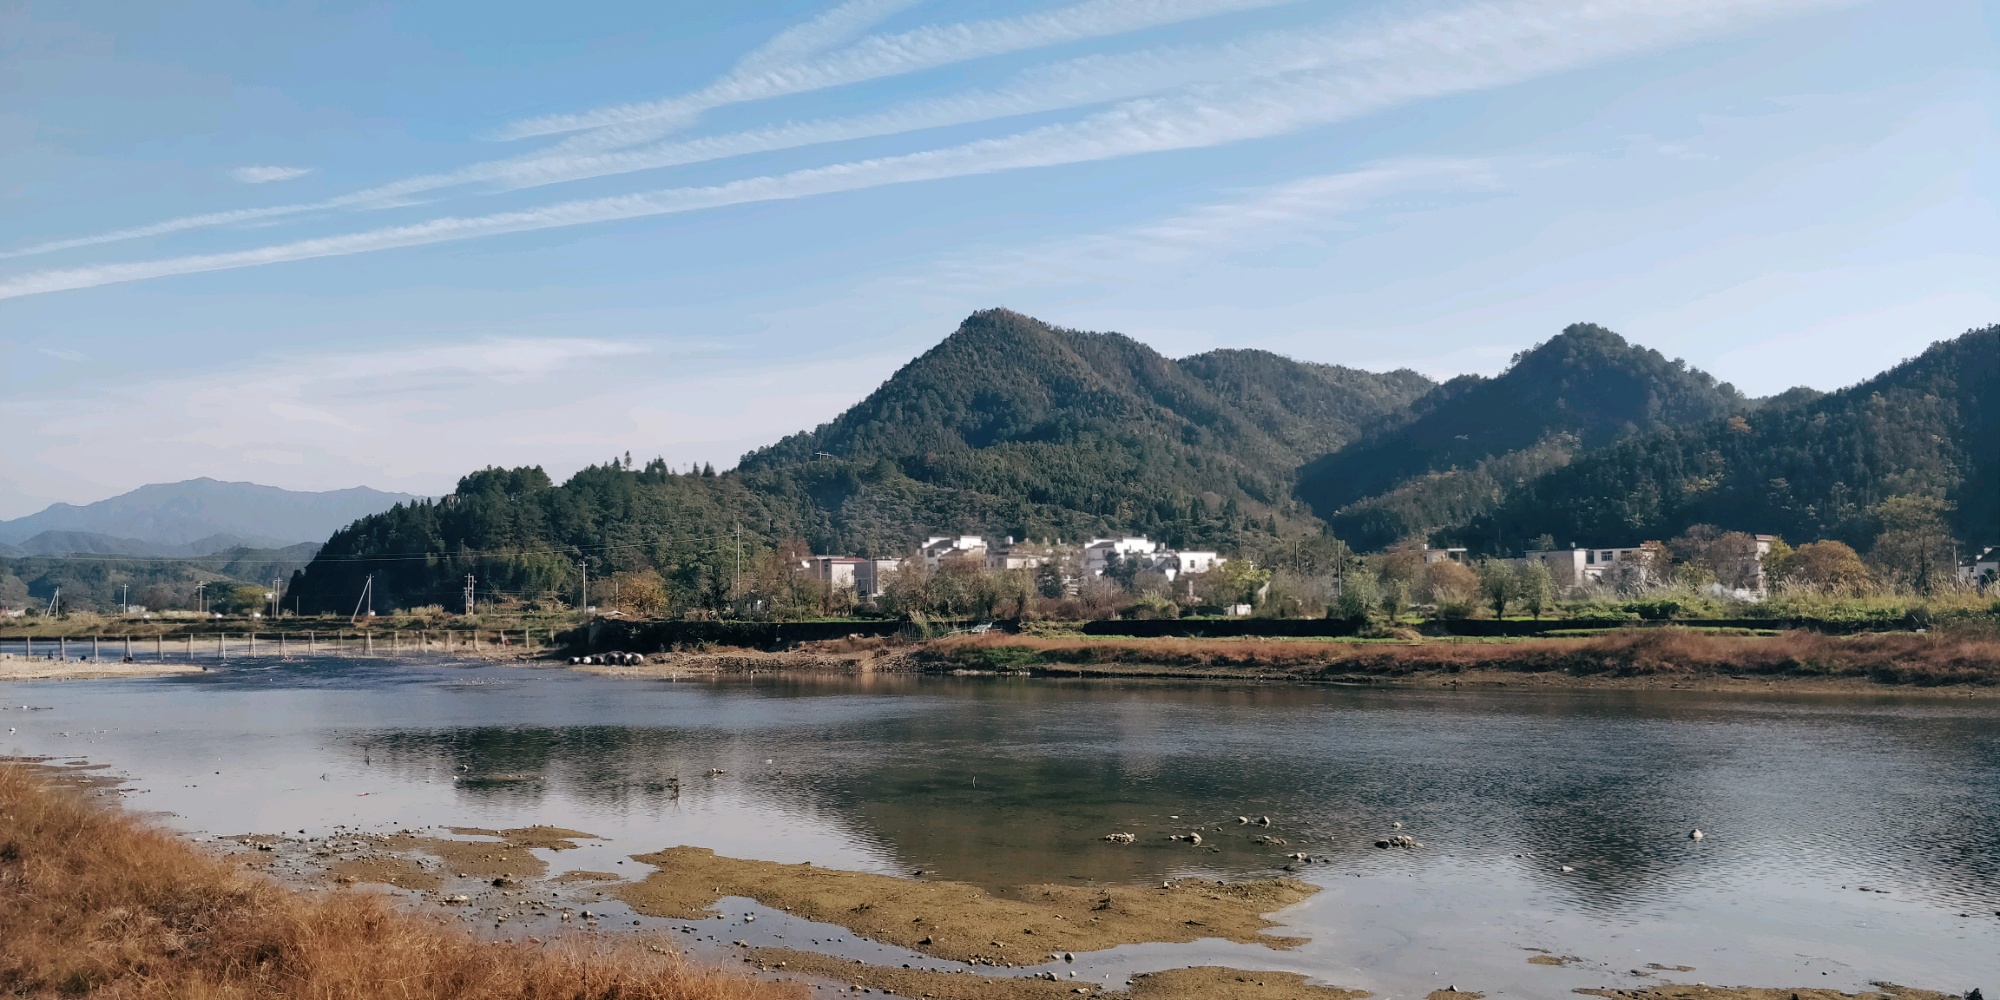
(1624, 658)
(94, 900)
(1650, 657)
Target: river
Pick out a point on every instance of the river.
(1846, 838)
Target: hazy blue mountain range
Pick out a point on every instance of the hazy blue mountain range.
(195, 517)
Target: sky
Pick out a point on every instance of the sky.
(328, 244)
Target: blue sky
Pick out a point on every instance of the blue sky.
(326, 244)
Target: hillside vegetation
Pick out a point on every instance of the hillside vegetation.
(1012, 427)
(1467, 444)
(1008, 427)
(1816, 468)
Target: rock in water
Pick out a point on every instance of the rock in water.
(1695, 834)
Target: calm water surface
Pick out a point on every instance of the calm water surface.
(1551, 820)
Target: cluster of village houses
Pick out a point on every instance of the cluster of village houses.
(1569, 569)
(1631, 566)
(868, 577)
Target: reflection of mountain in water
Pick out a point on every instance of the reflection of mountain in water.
(1009, 782)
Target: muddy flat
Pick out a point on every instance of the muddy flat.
(966, 922)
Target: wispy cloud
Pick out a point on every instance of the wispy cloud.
(880, 56)
(1475, 47)
(607, 151)
(769, 70)
(838, 26)
(265, 175)
(1249, 220)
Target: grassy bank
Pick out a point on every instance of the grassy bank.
(92, 901)
(1881, 658)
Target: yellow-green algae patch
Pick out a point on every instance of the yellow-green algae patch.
(964, 922)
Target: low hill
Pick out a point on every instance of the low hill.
(1007, 427)
(1464, 446)
(1803, 466)
(185, 513)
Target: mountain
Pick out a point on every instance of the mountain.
(83, 543)
(1009, 426)
(1098, 422)
(1804, 466)
(192, 513)
(1462, 448)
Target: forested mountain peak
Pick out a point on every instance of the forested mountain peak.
(1010, 382)
(1586, 385)
(1813, 468)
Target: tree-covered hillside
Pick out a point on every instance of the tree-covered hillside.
(1097, 422)
(1467, 444)
(1804, 467)
(1008, 427)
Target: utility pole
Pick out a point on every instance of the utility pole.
(468, 593)
(277, 601)
(583, 604)
(367, 597)
(201, 598)
(739, 560)
(125, 599)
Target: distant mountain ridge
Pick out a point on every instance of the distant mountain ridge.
(196, 514)
(88, 543)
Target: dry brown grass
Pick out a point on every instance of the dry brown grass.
(1885, 658)
(94, 902)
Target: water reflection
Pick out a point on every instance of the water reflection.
(1007, 782)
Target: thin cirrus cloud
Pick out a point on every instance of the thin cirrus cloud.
(837, 26)
(266, 175)
(1253, 219)
(1477, 47)
(880, 56)
(630, 125)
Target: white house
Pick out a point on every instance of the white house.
(1174, 564)
(1983, 570)
(1097, 554)
(1014, 555)
(865, 577)
(941, 547)
(1575, 567)
(1432, 555)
